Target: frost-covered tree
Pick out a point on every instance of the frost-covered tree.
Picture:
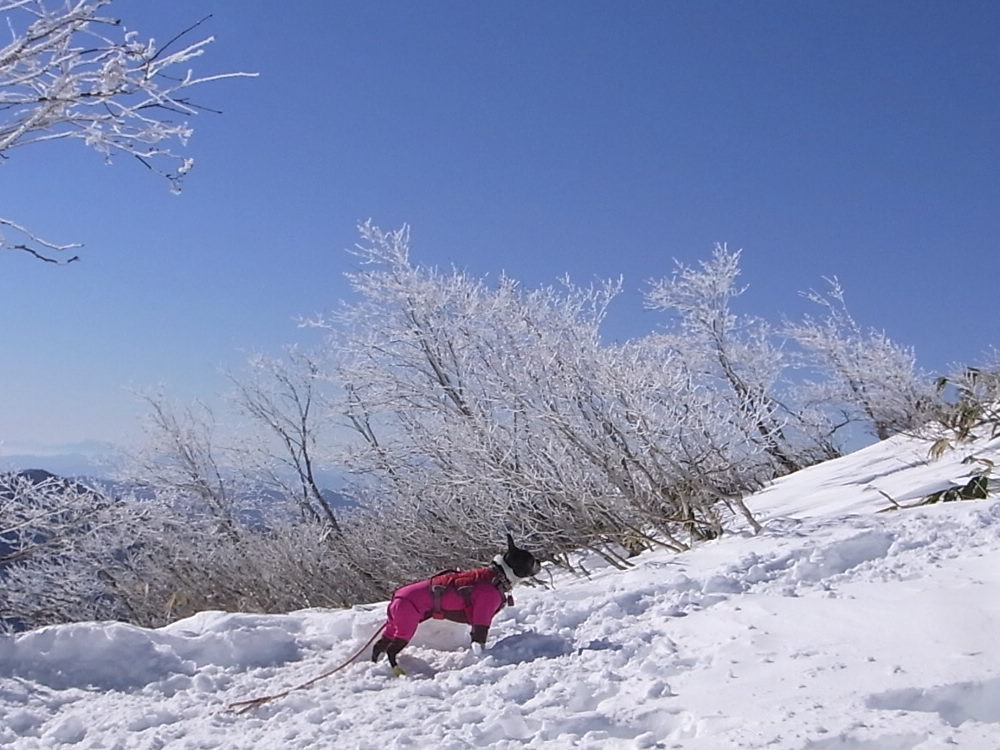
(70, 553)
(479, 407)
(681, 448)
(40, 511)
(864, 372)
(59, 540)
(183, 456)
(277, 564)
(433, 375)
(68, 70)
(243, 527)
(283, 397)
(726, 351)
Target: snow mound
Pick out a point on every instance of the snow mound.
(115, 656)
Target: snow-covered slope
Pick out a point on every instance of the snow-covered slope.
(836, 628)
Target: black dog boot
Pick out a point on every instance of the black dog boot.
(391, 648)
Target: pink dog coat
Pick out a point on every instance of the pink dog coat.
(472, 596)
(475, 604)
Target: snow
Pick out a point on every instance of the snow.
(836, 628)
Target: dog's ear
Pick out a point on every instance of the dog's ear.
(510, 543)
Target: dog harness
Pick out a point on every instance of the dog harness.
(464, 581)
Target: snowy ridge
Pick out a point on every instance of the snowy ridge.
(836, 627)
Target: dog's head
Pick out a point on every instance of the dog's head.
(519, 561)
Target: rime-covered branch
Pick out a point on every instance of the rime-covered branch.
(69, 71)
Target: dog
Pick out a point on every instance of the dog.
(473, 597)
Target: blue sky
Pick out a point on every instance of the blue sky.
(855, 139)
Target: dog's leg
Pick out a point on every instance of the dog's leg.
(392, 649)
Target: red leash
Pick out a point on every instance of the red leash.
(243, 706)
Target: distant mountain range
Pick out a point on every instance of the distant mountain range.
(97, 462)
(62, 464)
(84, 458)
(78, 468)
(88, 458)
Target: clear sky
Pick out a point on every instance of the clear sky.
(857, 139)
